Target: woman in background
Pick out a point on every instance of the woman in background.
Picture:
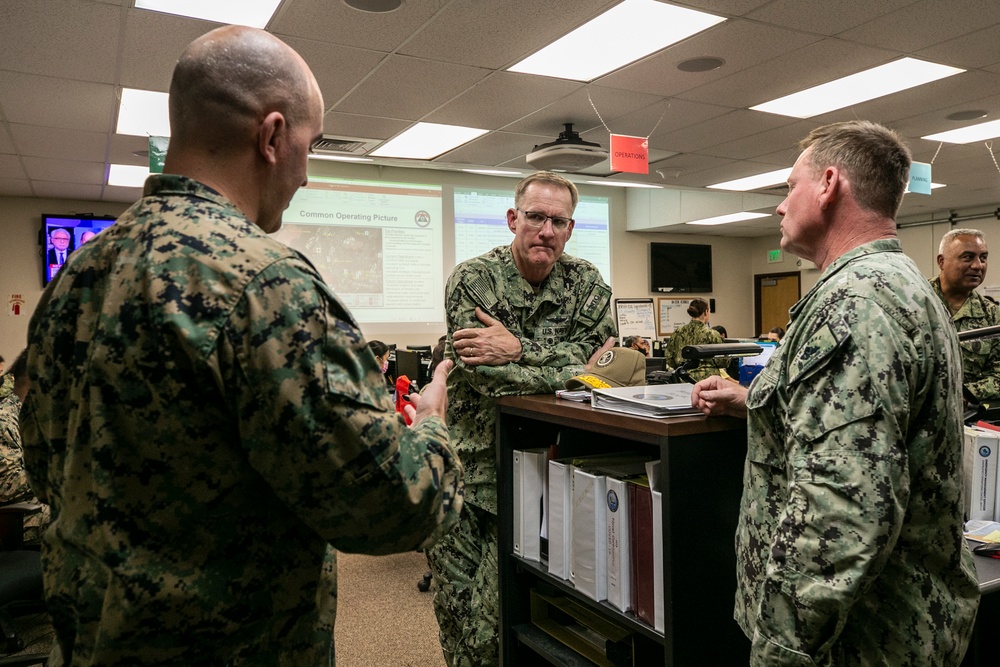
(381, 352)
(696, 332)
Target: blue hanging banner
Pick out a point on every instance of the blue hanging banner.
(920, 178)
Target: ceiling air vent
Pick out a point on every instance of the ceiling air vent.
(333, 145)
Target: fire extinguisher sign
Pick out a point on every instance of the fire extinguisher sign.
(15, 305)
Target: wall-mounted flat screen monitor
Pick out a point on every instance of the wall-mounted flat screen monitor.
(680, 267)
(62, 234)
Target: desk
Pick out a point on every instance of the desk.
(983, 648)
(701, 463)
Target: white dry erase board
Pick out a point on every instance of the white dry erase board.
(636, 317)
(673, 314)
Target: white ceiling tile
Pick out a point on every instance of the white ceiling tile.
(409, 88)
(459, 32)
(66, 190)
(39, 141)
(66, 171)
(501, 99)
(69, 39)
(719, 130)
(153, 42)
(13, 187)
(825, 18)
(741, 44)
(584, 108)
(123, 146)
(727, 7)
(925, 23)
(361, 126)
(338, 69)
(763, 143)
(73, 105)
(6, 143)
(119, 194)
(974, 50)
(334, 21)
(10, 167)
(493, 149)
(812, 65)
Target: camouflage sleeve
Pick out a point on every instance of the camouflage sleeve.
(988, 386)
(848, 480)
(544, 366)
(319, 425)
(13, 480)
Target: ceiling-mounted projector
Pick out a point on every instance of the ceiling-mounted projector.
(567, 153)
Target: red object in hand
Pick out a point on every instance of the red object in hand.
(403, 397)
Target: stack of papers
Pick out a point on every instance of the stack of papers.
(659, 400)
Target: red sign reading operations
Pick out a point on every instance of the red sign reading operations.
(629, 154)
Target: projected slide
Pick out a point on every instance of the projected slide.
(481, 225)
(378, 245)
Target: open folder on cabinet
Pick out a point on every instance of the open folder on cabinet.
(658, 400)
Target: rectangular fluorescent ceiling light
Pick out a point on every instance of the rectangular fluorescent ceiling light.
(619, 36)
(143, 113)
(732, 217)
(425, 141)
(127, 175)
(934, 186)
(966, 135)
(625, 184)
(775, 177)
(493, 172)
(254, 13)
(856, 88)
(340, 158)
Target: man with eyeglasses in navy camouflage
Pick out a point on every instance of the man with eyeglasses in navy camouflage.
(522, 319)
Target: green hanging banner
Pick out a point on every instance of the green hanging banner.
(157, 153)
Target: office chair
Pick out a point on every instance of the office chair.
(20, 581)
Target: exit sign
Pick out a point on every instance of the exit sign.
(774, 256)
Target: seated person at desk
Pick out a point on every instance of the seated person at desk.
(381, 352)
(774, 335)
(696, 332)
(637, 343)
(13, 480)
(961, 259)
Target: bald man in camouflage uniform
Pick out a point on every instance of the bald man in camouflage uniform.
(522, 319)
(14, 487)
(850, 547)
(205, 417)
(962, 260)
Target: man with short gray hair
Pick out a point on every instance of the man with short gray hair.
(962, 258)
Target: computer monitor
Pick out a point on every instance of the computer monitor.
(408, 364)
(751, 366)
(656, 364)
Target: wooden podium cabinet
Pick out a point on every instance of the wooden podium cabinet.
(701, 462)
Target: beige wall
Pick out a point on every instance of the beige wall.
(735, 260)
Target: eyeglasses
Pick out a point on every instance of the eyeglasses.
(536, 220)
(990, 549)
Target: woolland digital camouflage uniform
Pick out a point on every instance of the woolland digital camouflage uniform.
(695, 332)
(980, 358)
(206, 419)
(849, 547)
(560, 325)
(14, 487)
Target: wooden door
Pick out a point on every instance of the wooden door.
(774, 295)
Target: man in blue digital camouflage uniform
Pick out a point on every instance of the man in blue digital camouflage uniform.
(962, 259)
(205, 417)
(522, 319)
(849, 547)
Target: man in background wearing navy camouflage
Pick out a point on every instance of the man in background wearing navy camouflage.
(205, 417)
(522, 319)
(849, 548)
(962, 260)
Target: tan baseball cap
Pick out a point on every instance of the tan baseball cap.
(618, 367)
